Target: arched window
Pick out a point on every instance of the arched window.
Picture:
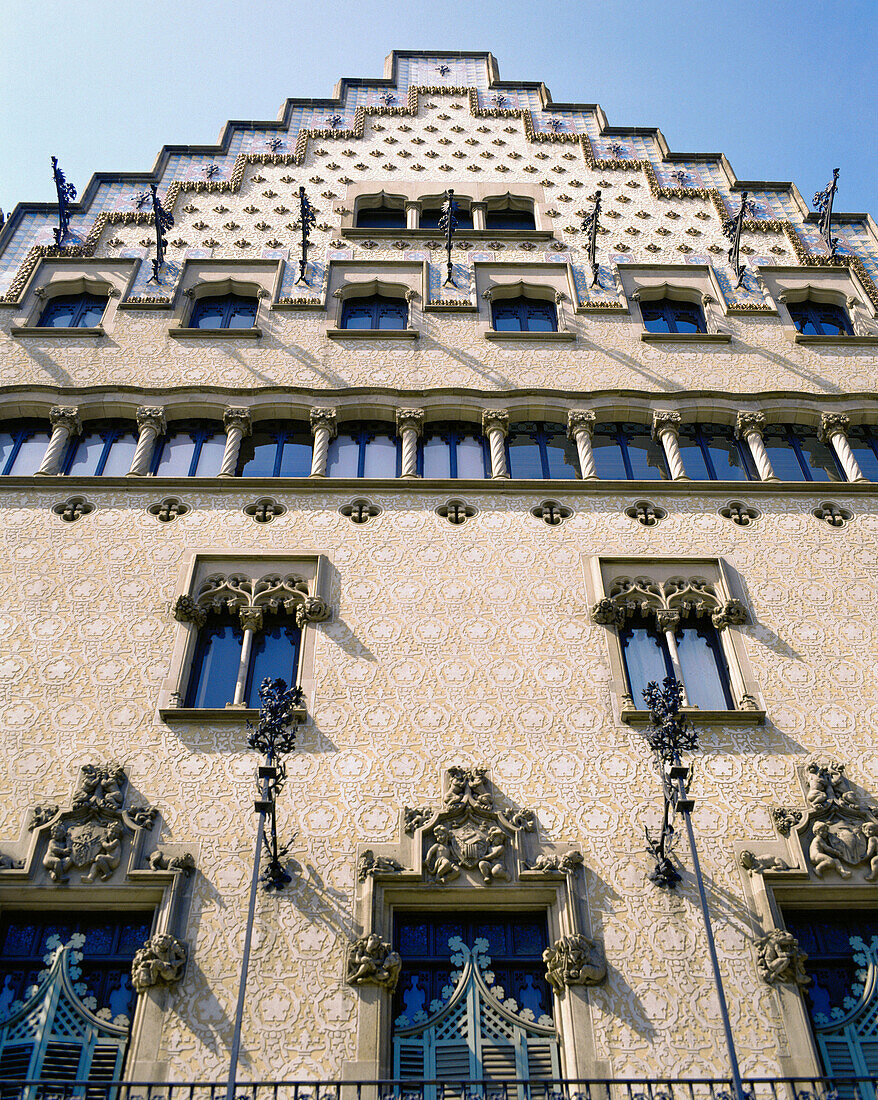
(672, 315)
(386, 216)
(454, 450)
(277, 450)
(711, 452)
(374, 312)
(430, 216)
(189, 449)
(219, 660)
(510, 216)
(647, 658)
(73, 311)
(819, 318)
(224, 311)
(864, 444)
(523, 315)
(365, 449)
(105, 448)
(796, 454)
(23, 446)
(628, 452)
(541, 451)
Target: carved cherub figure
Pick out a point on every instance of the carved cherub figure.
(160, 961)
(780, 959)
(371, 960)
(822, 854)
(870, 832)
(112, 781)
(439, 860)
(820, 788)
(110, 855)
(88, 785)
(492, 865)
(59, 856)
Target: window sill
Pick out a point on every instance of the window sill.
(220, 714)
(686, 337)
(372, 333)
(836, 341)
(701, 717)
(37, 330)
(214, 333)
(530, 337)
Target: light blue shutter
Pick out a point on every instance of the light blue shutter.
(848, 1042)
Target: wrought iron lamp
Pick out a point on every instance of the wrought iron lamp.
(448, 224)
(823, 201)
(66, 194)
(732, 228)
(590, 226)
(163, 220)
(307, 221)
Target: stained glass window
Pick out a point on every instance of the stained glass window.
(73, 311)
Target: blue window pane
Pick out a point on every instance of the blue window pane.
(608, 460)
(645, 656)
(208, 314)
(671, 315)
(343, 457)
(30, 454)
(121, 453)
(381, 217)
(430, 218)
(437, 457)
(391, 317)
(377, 312)
(782, 455)
(655, 321)
(510, 220)
(561, 454)
(694, 462)
(818, 458)
(211, 457)
(87, 455)
(357, 318)
(506, 320)
(471, 457)
(647, 457)
(92, 313)
(73, 311)
(710, 451)
(524, 315)
(275, 653)
(525, 459)
(7, 445)
(177, 452)
(227, 311)
(726, 458)
(215, 665)
(820, 319)
(864, 444)
(259, 454)
(704, 668)
(296, 457)
(380, 457)
(540, 322)
(58, 314)
(242, 314)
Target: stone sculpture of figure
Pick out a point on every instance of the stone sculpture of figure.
(112, 779)
(159, 962)
(440, 859)
(820, 788)
(371, 961)
(108, 858)
(822, 854)
(59, 855)
(88, 785)
(870, 832)
(492, 866)
(370, 864)
(780, 960)
(574, 960)
(565, 864)
(758, 865)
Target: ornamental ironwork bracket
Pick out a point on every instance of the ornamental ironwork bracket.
(732, 229)
(307, 221)
(66, 194)
(448, 224)
(590, 226)
(823, 202)
(163, 221)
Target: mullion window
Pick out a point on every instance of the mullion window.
(526, 313)
(671, 315)
(825, 319)
(222, 311)
(622, 441)
(18, 439)
(85, 311)
(374, 310)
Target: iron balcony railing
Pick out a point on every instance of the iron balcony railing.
(658, 1088)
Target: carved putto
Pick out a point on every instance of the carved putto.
(574, 960)
(779, 959)
(160, 962)
(371, 961)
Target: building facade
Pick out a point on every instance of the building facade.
(472, 488)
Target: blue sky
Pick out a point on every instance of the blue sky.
(785, 88)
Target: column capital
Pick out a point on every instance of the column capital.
(749, 422)
(151, 416)
(237, 418)
(251, 618)
(665, 421)
(412, 204)
(479, 204)
(495, 420)
(410, 419)
(667, 619)
(66, 416)
(831, 423)
(326, 419)
(579, 420)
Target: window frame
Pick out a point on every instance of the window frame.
(795, 445)
(82, 302)
(450, 429)
(199, 430)
(229, 300)
(109, 432)
(696, 432)
(621, 435)
(366, 431)
(282, 435)
(521, 307)
(374, 302)
(805, 311)
(539, 434)
(28, 427)
(669, 309)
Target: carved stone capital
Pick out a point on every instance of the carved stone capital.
(66, 416)
(665, 421)
(149, 416)
(749, 422)
(732, 613)
(574, 960)
(371, 961)
(605, 612)
(114, 292)
(313, 609)
(237, 418)
(831, 423)
(495, 420)
(187, 611)
(160, 962)
(579, 420)
(667, 620)
(780, 960)
(251, 618)
(324, 418)
(407, 419)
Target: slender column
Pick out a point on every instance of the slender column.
(412, 213)
(151, 424)
(324, 428)
(237, 424)
(749, 426)
(251, 621)
(495, 425)
(833, 429)
(479, 210)
(580, 428)
(669, 621)
(65, 424)
(409, 425)
(665, 428)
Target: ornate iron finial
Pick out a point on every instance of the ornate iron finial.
(590, 226)
(274, 143)
(163, 220)
(732, 231)
(335, 121)
(823, 202)
(307, 221)
(66, 194)
(448, 224)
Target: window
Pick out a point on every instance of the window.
(672, 315)
(430, 217)
(381, 217)
(864, 444)
(103, 449)
(646, 655)
(628, 452)
(796, 454)
(840, 1003)
(276, 451)
(375, 312)
(710, 452)
(523, 315)
(73, 311)
(819, 319)
(224, 311)
(461, 1032)
(454, 450)
(225, 671)
(364, 450)
(22, 447)
(55, 1035)
(189, 449)
(541, 451)
(509, 220)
